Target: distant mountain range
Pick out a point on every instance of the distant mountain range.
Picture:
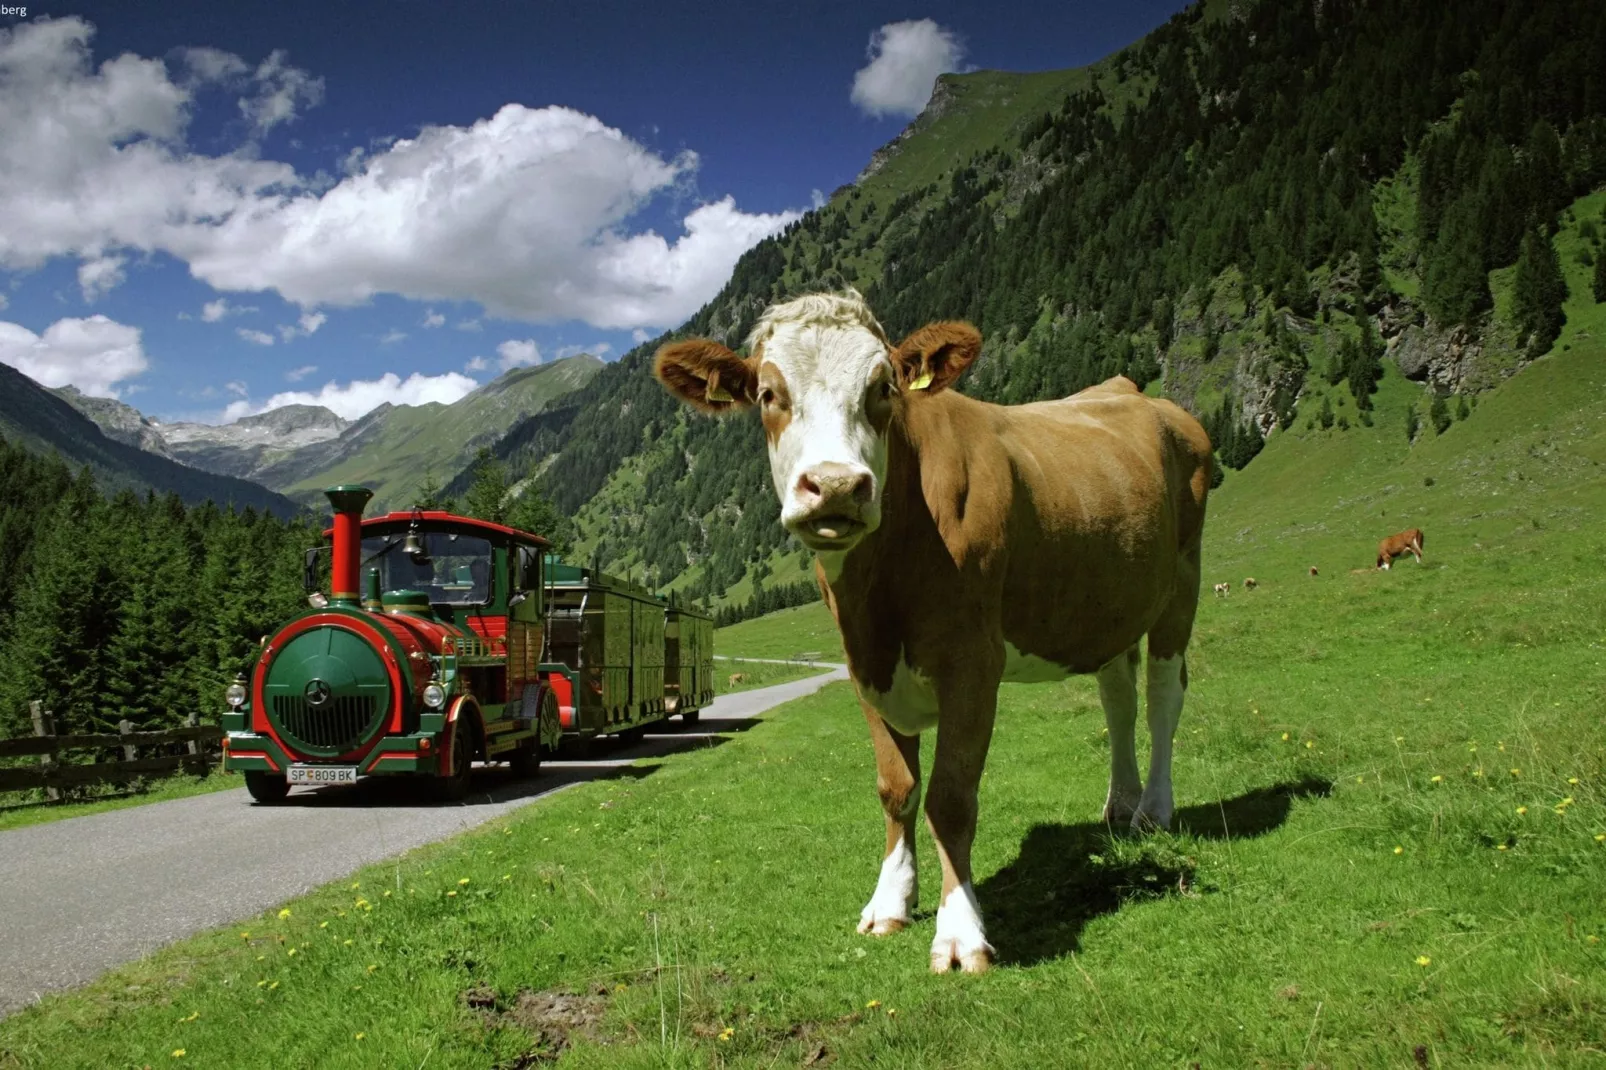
(298, 450)
(128, 456)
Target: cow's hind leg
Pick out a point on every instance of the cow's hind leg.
(897, 759)
(1166, 685)
(1118, 692)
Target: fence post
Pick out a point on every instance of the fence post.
(196, 763)
(130, 752)
(44, 725)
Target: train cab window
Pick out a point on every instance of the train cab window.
(456, 572)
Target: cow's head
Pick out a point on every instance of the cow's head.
(828, 385)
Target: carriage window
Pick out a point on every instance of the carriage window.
(457, 573)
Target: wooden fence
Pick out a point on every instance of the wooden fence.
(53, 775)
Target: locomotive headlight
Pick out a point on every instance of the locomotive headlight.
(235, 695)
(434, 695)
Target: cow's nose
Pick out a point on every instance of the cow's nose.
(830, 483)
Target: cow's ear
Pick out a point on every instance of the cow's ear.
(931, 358)
(703, 373)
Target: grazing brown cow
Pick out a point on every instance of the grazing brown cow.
(1222, 589)
(1313, 570)
(1397, 545)
(1250, 584)
(960, 544)
(737, 678)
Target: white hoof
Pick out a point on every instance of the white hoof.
(888, 909)
(1120, 805)
(1153, 812)
(960, 939)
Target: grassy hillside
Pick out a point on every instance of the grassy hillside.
(1392, 833)
(41, 422)
(393, 449)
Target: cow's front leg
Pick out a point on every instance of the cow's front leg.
(962, 741)
(897, 760)
(1118, 692)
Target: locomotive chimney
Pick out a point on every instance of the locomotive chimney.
(348, 502)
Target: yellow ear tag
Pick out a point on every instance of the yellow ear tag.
(922, 382)
(715, 392)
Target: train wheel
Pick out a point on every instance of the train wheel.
(266, 787)
(454, 787)
(526, 761)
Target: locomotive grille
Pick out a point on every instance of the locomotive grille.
(341, 724)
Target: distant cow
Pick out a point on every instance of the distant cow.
(1250, 584)
(960, 543)
(1223, 588)
(1313, 570)
(737, 678)
(1398, 545)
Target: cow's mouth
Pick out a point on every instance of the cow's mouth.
(829, 532)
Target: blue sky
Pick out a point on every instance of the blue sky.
(213, 208)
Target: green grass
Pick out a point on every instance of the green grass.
(756, 674)
(1391, 787)
(806, 629)
(30, 808)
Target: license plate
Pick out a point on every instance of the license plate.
(322, 774)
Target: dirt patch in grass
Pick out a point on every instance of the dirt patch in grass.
(552, 1018)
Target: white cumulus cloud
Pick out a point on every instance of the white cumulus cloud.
(361, 396)
(476, 364)
(515, 352)
(100, 276)
(94, 354)
(213, 311)
(295, 375)
(255, 337)
(527, 212)
(433, 319)
(307, 324)
(905, 59)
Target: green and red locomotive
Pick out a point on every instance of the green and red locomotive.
(467, 640)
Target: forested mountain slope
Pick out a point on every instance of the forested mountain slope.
(1258, 203)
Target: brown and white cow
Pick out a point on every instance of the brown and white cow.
(1406, 542)
(960, 544)
(1222, 589)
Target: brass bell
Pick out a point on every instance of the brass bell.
(413, 547)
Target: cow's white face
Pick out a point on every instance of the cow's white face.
(826, 395)
(827, 385)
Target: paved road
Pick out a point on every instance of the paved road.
(85, 894)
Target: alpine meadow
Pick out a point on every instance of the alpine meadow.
(1363, 242)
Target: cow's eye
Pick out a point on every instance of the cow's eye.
(886, 388)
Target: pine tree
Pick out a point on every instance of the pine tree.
(1598, 283)
(487, 495)
(1461, 410)
(1412, 423)
(1325, 415)
(1538, 292)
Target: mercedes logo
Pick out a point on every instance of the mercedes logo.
(317, 694)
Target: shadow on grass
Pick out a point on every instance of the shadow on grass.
(1066, 875)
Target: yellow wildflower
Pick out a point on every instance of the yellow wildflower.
(1437, 780)
(1522, 809)
(346, 943)
(1500, 847)
(1398, 849)
(1310, 744)
(1360, 780)
(1572, 780)
(620, 987)
(507, 876)
(285, 913)
(323, 925)
(1601, 838)
(355, 885)
(1285, 737)
(361, 1035)
(372, 967)
(873, 1004)
(1591, 939)
(262, 983)
(272, 986)
(291, 953)
(386, 893)
(462, 881)
(245, 936)
(178, 1053)
(452, 894)
(892, 1012)
(1423, 960)
(1516, 772)
(727, 1033)
(192, 1017)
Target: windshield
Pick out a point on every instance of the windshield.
(457, 573)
